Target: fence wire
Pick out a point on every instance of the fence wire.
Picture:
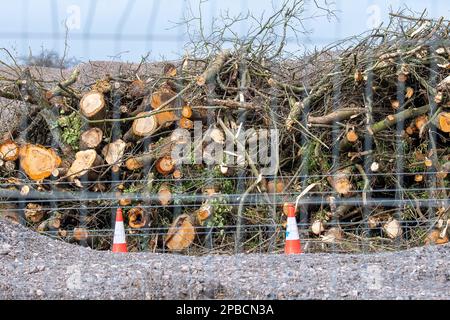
(246, 235)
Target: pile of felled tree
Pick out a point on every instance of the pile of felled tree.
(362, 128)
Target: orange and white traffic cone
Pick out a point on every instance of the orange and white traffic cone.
(292, 245)
(119, 243)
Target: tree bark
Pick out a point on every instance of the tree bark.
(349, 141)
(401, 116)
(338, 115)
(213, 68)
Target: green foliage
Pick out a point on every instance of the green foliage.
(71, 129)
(417, 235)
(404, 147)
(416, 168)
(360, 185)
(314, 159)
(131, 189)
(221, 210)
(179, 189)
(321, 215)
(225, 185)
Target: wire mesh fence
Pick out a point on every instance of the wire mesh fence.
(389, 208)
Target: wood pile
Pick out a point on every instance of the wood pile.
(363, 135)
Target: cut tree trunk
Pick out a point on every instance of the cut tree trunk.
(139, 161)
(317, 227)
(409, 92)
(53, 223)
(348, 141)
(9, 151)
(373, 222)
(160, 98)
(91, 138)
(392, 228)
(37, 161)
(204, 213)
(442, 121)
(199, 113)
(275, 186)
(186, 123)
(209, 190)
(186, 112)
(83, 164)
(137, 89)
(177, 174)
(62, 233)
(164, 97)
(165, 165)
(141, 127)
(225, 170)
(34, 212)
(420, 121)
(80, 234)
(62, 168)
(333, 235)
(181, 233)
(340, 181)
(164, 194)
(137, 218)
(124, 202)
(93, 105)
(395, 104)
(434, 237)
(24, 190)
(410, 130)
(113, 153)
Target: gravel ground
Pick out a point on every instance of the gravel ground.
(36, 267)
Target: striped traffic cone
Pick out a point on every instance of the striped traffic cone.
(292, 245)
(119, 243)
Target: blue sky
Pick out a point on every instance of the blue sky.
(127, 29)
